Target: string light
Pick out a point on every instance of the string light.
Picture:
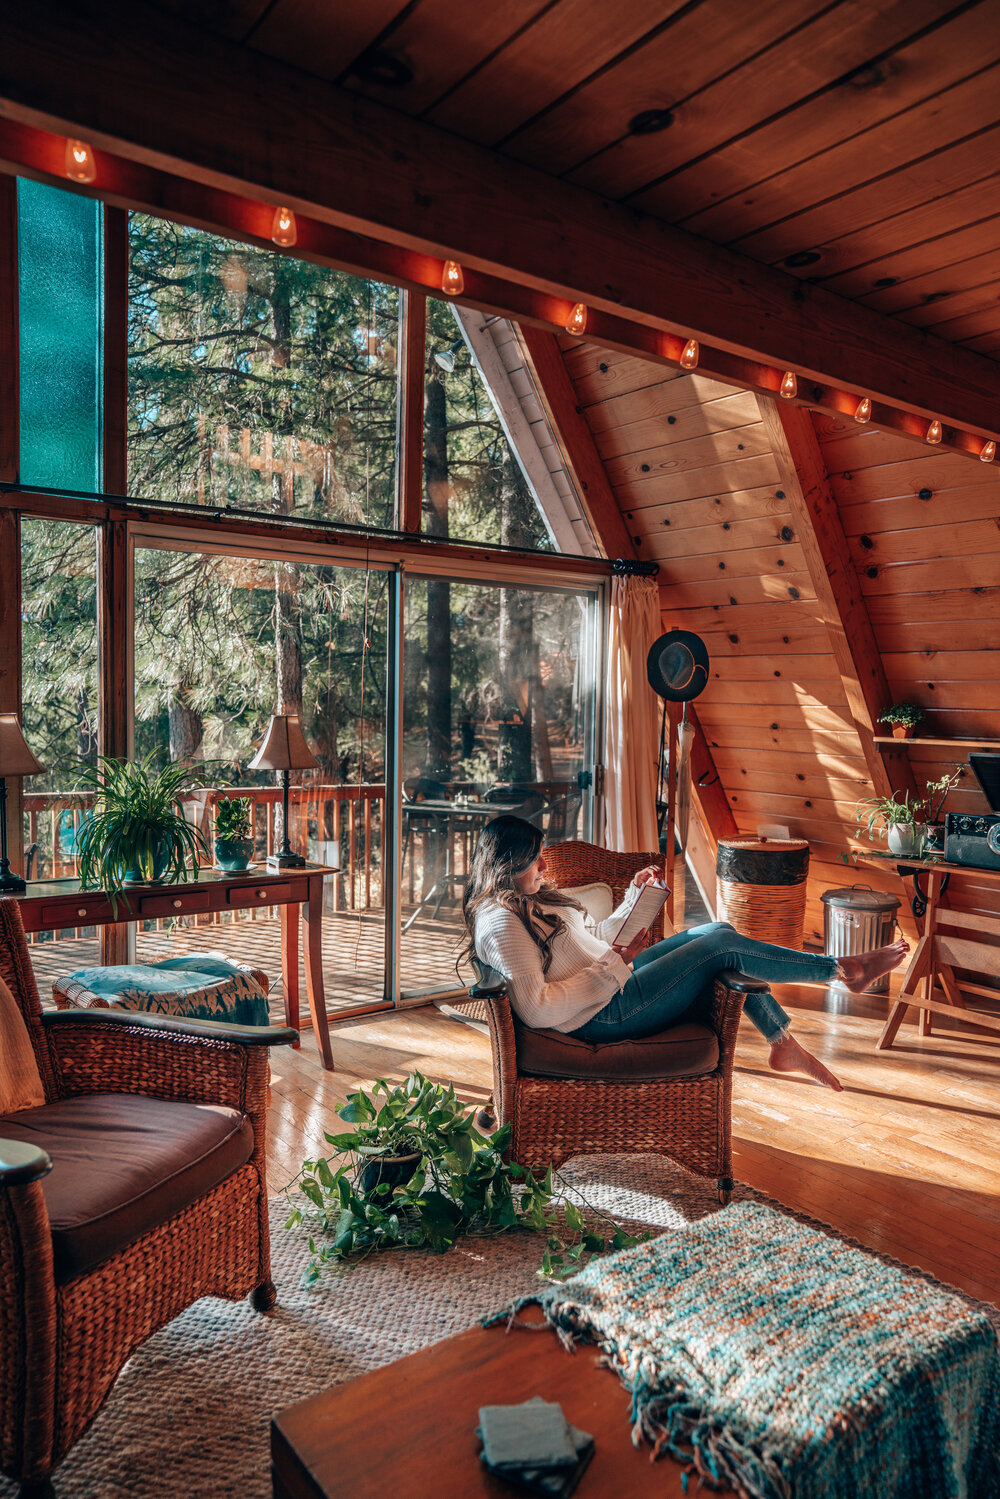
(988, 452)
(789, 386)
(283, 230)
(452, 279)
(934, 431)
(80, 162)
(863, 413)
(690, 355)
(577, 320)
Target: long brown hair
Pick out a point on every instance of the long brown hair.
(505, 848)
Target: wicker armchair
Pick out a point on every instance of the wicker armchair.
(612, 1100)
(67, 1327)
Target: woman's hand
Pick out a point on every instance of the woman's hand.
(646, 875)
(630, 953)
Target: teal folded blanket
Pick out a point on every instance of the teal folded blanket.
(781, 1362)
(198, 987)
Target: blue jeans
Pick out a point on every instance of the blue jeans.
(669, 976)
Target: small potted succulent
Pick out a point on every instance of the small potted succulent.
(897, 819)
(902, 718)
(234, 845)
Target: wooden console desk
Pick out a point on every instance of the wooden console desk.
(950, 939)
(51, 905)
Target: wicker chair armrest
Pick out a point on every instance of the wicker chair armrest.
(193, 1061)
(729, 994)
(21, 1162)
(222, 1030)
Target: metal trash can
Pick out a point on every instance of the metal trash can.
(859, 920)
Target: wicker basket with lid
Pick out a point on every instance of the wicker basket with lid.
(761, 887)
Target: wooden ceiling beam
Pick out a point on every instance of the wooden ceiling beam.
(558, 396)
(163, 93)
(820, 533)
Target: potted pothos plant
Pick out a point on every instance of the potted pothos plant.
(902, 719)
(136, 832)
(414, 1172)
(895, 818)
(234, 845)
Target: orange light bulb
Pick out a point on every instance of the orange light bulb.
(988, 452)
(934, 432)
(789, 386)
(80, 162)
(577, 320)
(452, 279)
(690, 355)
(863, 413)
(283, 230)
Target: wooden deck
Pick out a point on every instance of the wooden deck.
(353, 954)
(906, 1159)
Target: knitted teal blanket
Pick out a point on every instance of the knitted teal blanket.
(783, 1363)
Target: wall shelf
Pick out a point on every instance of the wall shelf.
(984, 744)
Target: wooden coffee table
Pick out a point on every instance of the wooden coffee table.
(409, 1429)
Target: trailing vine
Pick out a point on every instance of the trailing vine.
(460, 1184)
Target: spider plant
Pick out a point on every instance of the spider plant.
(136, 830)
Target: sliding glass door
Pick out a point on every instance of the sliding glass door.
(498, 695)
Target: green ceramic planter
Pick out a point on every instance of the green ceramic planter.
(233, 853)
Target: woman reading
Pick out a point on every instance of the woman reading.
(562, 974)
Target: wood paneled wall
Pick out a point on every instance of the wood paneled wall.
(699, 487)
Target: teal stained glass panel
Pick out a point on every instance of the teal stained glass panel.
(60, 254)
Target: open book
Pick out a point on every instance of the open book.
(642, 905)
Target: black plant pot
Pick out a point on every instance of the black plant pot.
(388, 1170)
(933, 837)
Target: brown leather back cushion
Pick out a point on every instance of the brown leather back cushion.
(123, 1164)
(683, 1051)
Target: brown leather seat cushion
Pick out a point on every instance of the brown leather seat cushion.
(683, 1051)
(122, 1164)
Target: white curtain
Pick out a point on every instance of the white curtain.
(631, 718)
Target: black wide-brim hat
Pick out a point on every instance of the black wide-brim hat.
(677, 666)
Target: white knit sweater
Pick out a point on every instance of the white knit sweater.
(585, 972)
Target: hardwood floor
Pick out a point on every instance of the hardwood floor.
(906, 1159)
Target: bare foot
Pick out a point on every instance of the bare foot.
(861, 969)
(788, 1056)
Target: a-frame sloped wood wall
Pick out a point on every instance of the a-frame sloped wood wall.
(698, 479)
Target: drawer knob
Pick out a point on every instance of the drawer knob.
(176, 903)
(81, 910)
(261, 894)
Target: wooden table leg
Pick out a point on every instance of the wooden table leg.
(919, 966)
(290, 963)
(312, 912)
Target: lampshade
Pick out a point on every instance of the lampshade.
(16, 758)
(284, 746)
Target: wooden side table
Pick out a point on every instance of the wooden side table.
(50, 905)
(948, 941)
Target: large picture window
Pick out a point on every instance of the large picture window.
(258, 381)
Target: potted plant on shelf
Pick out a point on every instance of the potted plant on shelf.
(234, 846)
(902, 718)
(136, 832)
(897, 819)
(937, 795)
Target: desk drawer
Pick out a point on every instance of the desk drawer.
(79, 910)
(278, 894)
(174, 905)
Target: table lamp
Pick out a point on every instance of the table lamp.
(284, 749)
(16, 759)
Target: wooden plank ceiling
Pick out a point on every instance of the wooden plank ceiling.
(700, 487)
(852, 144)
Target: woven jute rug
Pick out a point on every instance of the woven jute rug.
(189, 1415)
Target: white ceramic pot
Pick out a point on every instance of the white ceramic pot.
(903, 838)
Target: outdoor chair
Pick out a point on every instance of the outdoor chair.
(668, 1094)
(132, 1183)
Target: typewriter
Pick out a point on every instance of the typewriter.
(972, 839)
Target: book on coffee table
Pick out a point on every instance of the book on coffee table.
(643, 904)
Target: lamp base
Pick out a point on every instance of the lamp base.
(12, 884)
(285, 861)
